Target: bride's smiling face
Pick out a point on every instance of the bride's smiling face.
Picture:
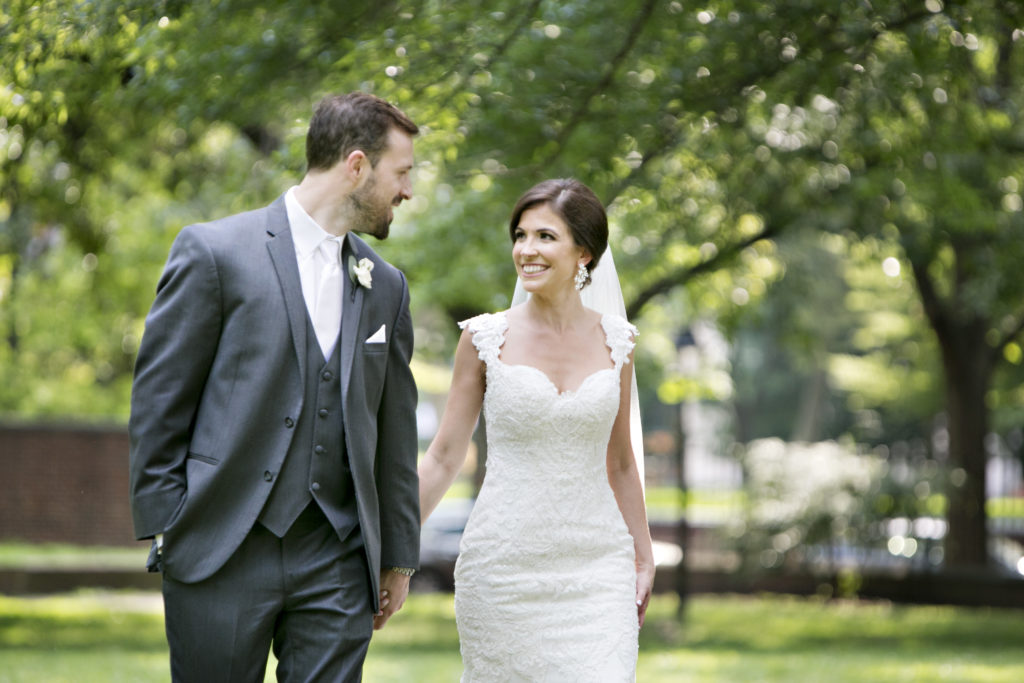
(544, 252)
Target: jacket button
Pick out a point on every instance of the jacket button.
(319, 450)
(323, 412)
(289, 423)
(315, 486)
(327, 376)
(268, 476)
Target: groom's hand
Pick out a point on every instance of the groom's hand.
(394, 588)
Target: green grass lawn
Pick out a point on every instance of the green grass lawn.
(110, 637)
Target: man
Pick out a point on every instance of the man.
(273, 435)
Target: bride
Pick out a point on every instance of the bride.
(555, 567)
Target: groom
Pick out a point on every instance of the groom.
(273, 433)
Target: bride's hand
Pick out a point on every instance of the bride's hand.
(644, 585)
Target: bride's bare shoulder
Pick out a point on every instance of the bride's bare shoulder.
(593, 317)
(515, 316)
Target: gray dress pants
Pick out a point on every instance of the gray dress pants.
(307, 595)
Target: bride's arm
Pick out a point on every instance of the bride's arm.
(443, 459)
(625, 482)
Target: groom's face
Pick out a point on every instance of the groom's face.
(387, 184)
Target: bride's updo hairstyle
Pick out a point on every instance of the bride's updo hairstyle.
(574, 203)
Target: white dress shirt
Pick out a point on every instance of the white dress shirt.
(307, 236)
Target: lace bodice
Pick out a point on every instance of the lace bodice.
(546, 538)
(533, 424)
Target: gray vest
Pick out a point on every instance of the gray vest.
(316, 466)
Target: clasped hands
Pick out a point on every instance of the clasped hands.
(394, 589)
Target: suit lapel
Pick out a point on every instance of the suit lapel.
(282, 253)
(351, 312)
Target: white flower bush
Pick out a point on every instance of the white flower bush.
(805, 493)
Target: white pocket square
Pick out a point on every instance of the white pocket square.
(378, 337)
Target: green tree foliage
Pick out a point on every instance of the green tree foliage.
(726, 140)
(925, 151)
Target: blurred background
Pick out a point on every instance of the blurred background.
(817, 216)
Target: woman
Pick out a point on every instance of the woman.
(555, 569)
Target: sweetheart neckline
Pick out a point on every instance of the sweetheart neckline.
(566, 392)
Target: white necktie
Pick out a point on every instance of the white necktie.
(327, 321)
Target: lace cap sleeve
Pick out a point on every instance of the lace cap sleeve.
(619, 335)
(488, 334)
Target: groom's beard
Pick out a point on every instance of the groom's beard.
(371, 214)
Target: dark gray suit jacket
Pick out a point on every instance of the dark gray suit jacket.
(219, 387)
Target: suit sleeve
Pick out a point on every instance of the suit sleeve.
(397, 449)
(177, 350)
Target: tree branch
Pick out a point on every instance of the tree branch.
(930, 298)
(605, 82)
(680, 277)
(468, 67)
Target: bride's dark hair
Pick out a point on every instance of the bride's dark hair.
(574, 203)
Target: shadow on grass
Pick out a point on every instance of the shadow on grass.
(781, 624)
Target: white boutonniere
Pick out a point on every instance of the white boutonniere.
(361, 271)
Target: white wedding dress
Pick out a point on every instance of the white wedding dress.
(545, 582)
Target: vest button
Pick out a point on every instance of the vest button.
(315, 486)
(327, 376)
(320, 450)
(289, 423)
(323, 412)
(268, 476)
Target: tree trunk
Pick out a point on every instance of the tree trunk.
(967, 364)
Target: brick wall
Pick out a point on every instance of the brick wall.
(64, 484)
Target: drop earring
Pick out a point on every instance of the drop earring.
(582, 275)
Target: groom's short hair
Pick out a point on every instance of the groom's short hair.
(341, 124)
